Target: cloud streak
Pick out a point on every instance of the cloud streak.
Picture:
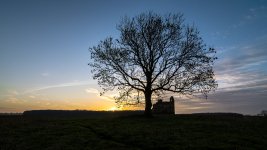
(92, 90)
(242, 76)
(68, 84)
(45, 74)
(243, 57)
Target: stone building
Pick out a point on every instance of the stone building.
(161, 107)
(263, 113)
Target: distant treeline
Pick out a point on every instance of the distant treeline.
(86, 113)
(10, 114)
(80, 113)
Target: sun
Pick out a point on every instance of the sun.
(114, 108)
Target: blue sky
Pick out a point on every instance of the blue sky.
(44, 51)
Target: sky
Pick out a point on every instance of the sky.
(44, 51)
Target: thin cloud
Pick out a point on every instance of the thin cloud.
(7, 109)
(248, 101)
(68, 84)
(243, 57)
(255, 86)
(244, 69)
(45, 74)
(240, 80)
(256, 13)
(32, 96)
(106, 97)
(196, 108)
(92, 90)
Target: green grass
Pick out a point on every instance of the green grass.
(134, 132)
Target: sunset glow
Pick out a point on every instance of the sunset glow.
(44, 52)
(113, 109)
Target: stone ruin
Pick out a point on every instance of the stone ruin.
(161, 107)
(263, 113)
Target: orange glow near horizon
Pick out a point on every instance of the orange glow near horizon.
(19, 104)
(114, 108)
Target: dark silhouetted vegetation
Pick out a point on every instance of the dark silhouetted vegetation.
(79, 113)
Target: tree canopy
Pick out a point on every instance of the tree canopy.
(153, 55)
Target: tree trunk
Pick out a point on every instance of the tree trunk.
(148, 104)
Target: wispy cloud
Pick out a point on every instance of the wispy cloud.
(107, 96)
(196, 108)
(242, 76)
(45, 74)
(13, 100)
(92, 90)
(243, 57)
(243, 67)
(252, 14)
(256, 12)
(245, 23)
(68, 84)
(7, 109)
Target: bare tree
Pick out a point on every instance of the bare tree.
(153, 55)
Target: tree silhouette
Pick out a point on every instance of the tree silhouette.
(154, 55)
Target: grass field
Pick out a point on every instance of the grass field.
(134, 132)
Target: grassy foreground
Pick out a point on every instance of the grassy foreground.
(133, 132)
